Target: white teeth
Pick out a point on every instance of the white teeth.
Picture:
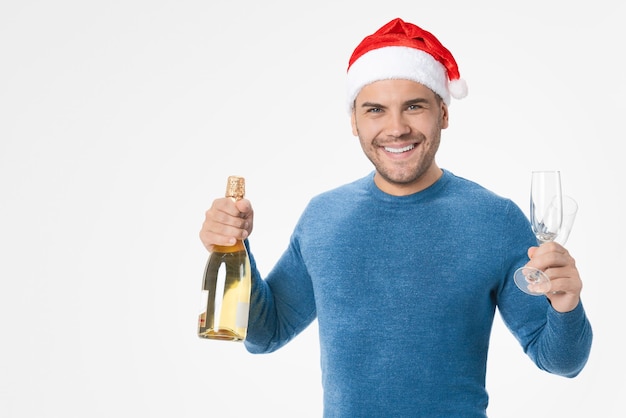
(399, 150)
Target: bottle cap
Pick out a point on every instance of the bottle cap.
(236, 187)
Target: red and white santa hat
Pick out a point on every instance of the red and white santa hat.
(401, 50)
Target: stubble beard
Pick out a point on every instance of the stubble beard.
(412, 171)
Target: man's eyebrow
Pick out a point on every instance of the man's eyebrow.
(372, 104)
(417, 100)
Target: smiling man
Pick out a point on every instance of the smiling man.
(401, 134)
(404, 268)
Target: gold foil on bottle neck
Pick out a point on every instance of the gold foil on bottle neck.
(236, 187)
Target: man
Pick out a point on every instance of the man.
(403, 269)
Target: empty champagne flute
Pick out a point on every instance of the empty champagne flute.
(546, 218)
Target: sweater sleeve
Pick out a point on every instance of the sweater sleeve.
(281, 305)
(556, 342)
(564, 343)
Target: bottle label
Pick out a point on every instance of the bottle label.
(243, 309)
(204, 301)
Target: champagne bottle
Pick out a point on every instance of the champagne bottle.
(226, 286)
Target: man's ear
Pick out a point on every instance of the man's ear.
(444, 115)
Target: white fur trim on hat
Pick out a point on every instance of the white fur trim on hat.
(397, 62)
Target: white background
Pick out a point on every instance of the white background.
(120, 121)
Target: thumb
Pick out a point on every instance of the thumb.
(244, 206)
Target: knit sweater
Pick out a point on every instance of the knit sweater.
(404, 289)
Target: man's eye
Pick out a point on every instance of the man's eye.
(414, 107)
(374, 110)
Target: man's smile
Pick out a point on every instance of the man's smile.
(399, 150)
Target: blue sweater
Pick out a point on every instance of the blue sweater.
(404, 290)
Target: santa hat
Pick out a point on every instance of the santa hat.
(401, 50)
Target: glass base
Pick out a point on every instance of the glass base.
(532, 281)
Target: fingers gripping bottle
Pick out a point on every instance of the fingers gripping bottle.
(226, 285)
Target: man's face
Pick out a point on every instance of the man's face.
(399, 125)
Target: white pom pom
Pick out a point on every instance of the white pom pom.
(458, 88)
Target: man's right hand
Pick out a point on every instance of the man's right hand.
(226, 221)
